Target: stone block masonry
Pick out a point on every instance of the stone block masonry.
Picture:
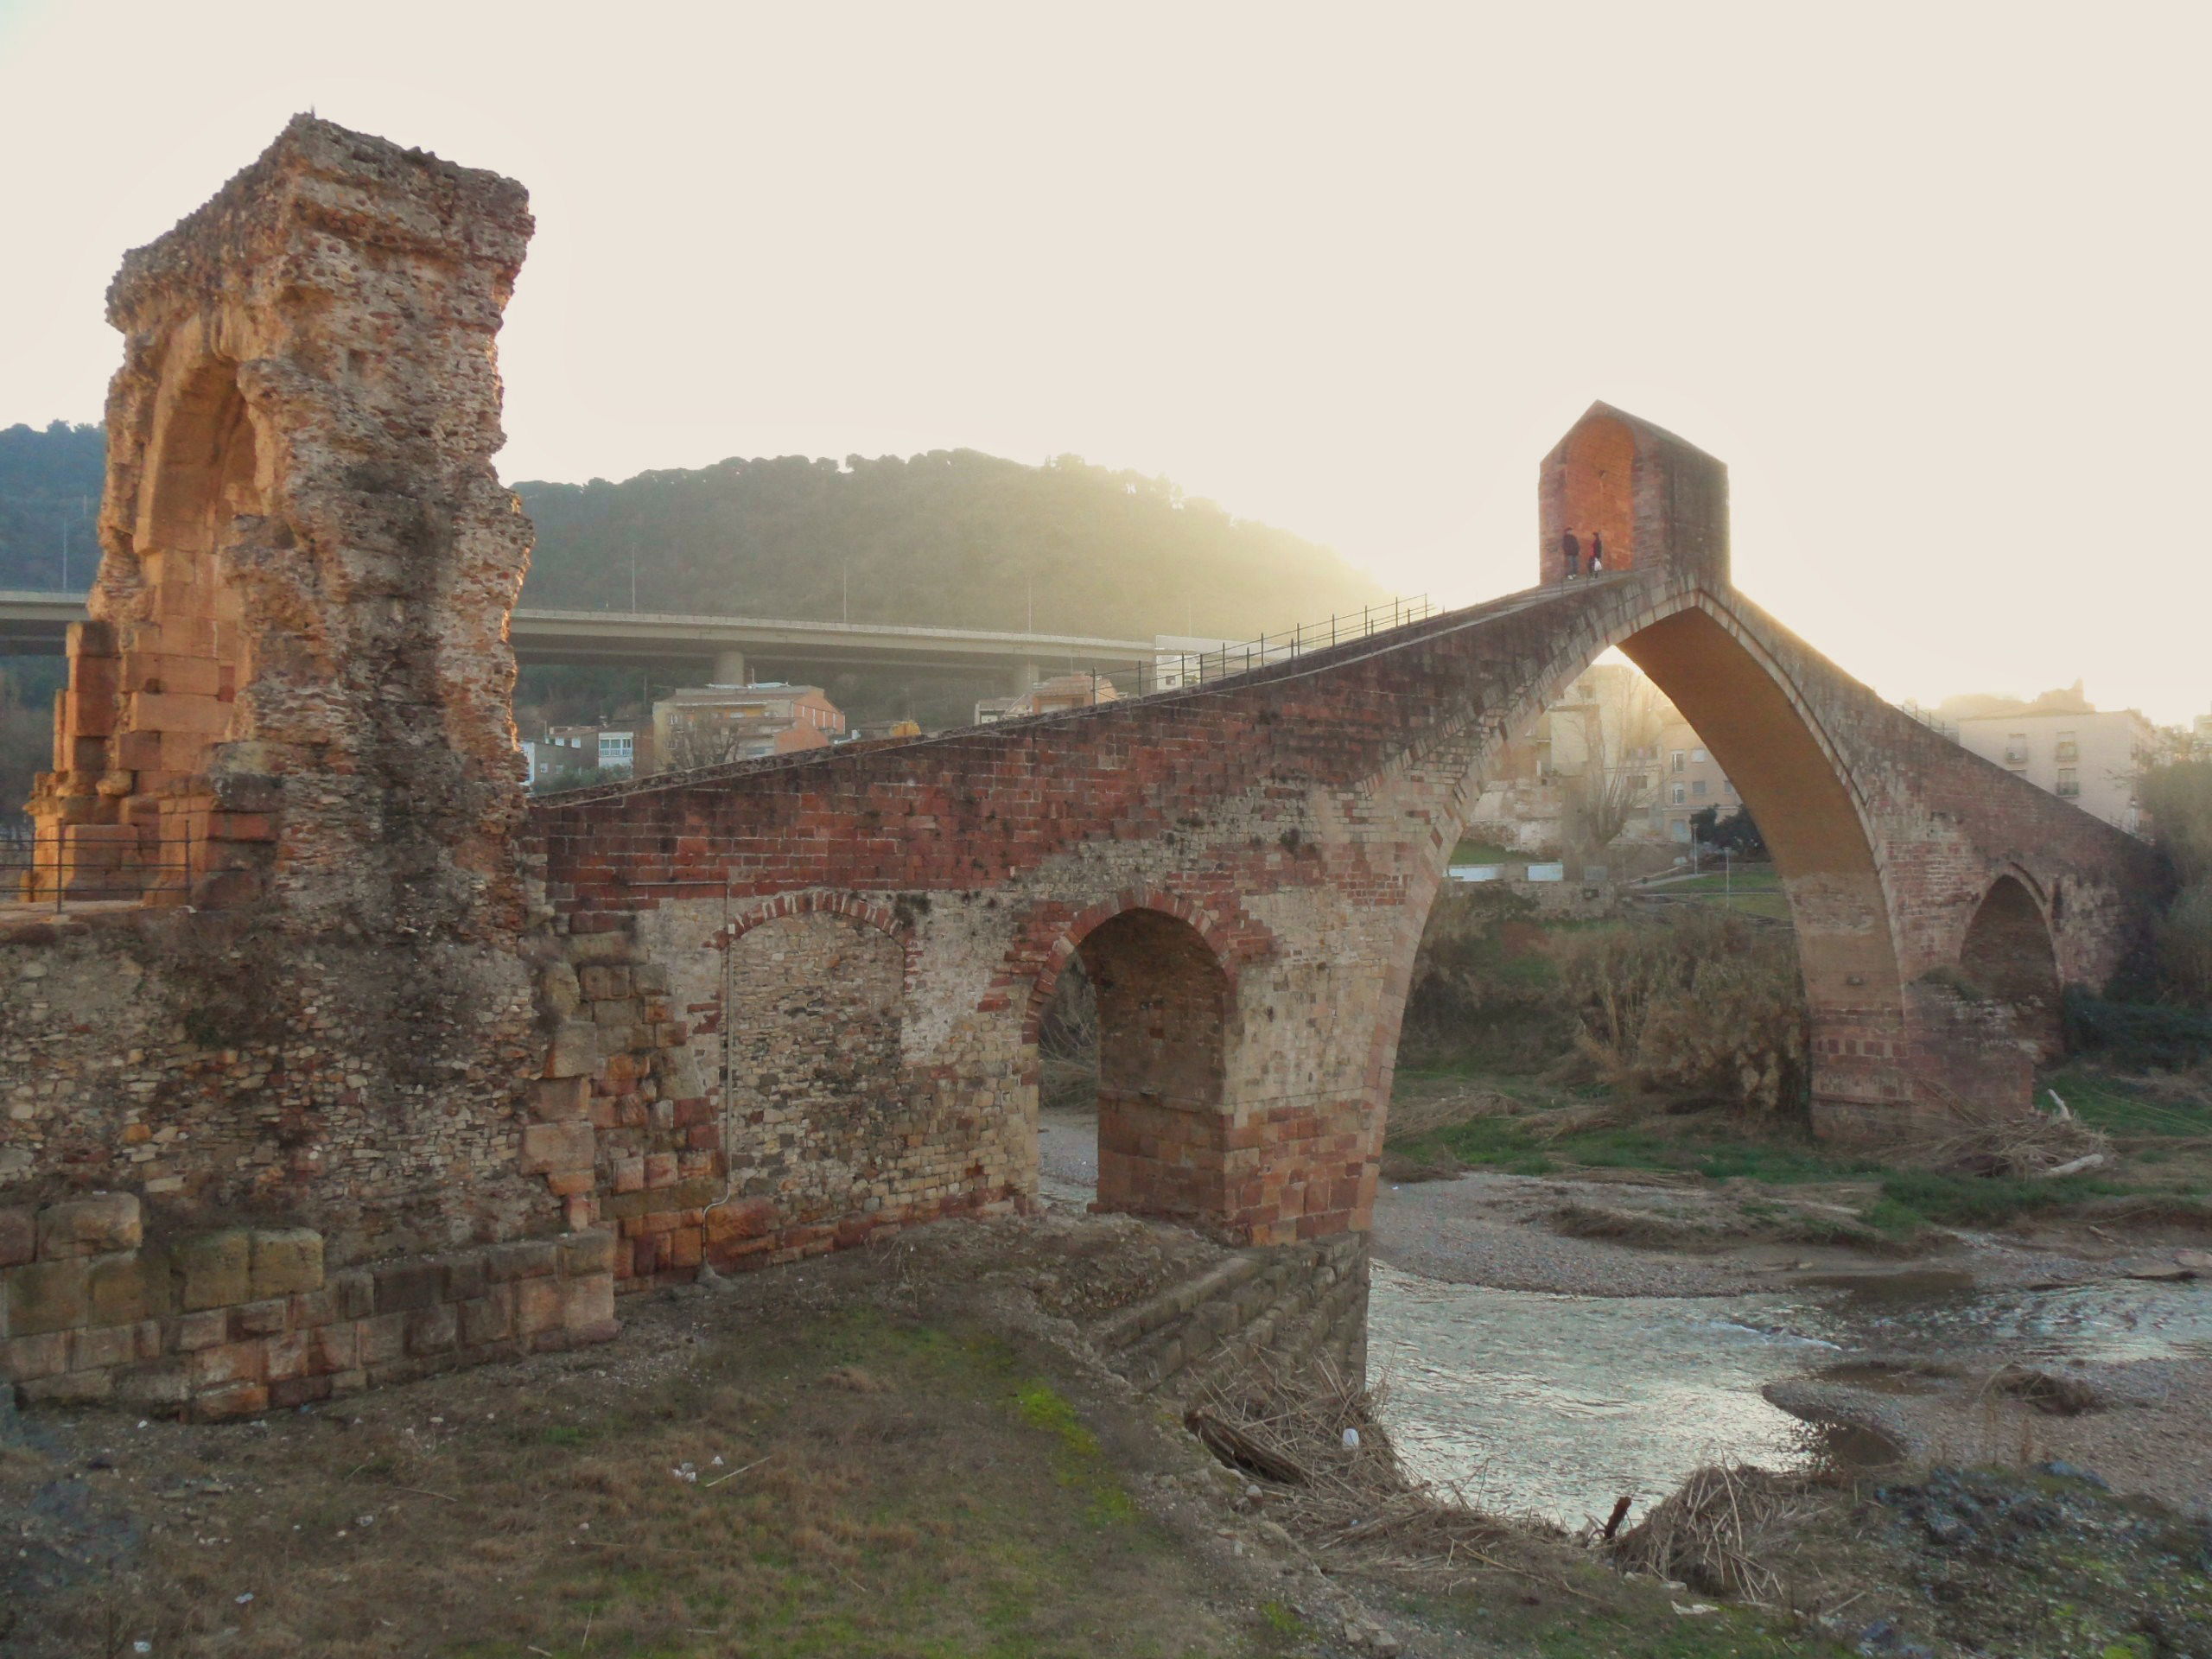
(247, 1319)
(287, 740)
(1289, 1309)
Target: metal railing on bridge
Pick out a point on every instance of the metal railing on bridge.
(1177, 670)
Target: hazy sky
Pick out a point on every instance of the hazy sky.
(1931, 278)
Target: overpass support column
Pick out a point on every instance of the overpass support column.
(729, 667)
(1020, 677)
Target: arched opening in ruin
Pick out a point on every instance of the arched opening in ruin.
(201, 480)
(2007, 957)
(156, 691)
(1135, 1032)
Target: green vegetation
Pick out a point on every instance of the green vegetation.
(1901, 1200)
(1716, 1150)
(953, 538)
(1755, 890)
(1081, 1461)
(1761, 879)
(2121, 1108)
(819, 1481)
(1482, 852)
(50, 484)
(2138, 1036)
(1696, 1003)
(1690, 1001)
(2178, 797)
(1485, 986)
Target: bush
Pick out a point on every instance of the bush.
(2184, 938)
(1485, 989)
(1699, 1003)
(2138, 1036)
(2178, 797)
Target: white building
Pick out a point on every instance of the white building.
(2092, 760)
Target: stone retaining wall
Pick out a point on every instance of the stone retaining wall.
(230, 1323)
(1289, 1308)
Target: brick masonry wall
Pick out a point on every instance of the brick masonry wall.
(240, 1320)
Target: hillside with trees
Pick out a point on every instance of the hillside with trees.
(49, 504)
(953, 538)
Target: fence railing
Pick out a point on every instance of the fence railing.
(98, 863)
(1927, 717)
(1176, 670)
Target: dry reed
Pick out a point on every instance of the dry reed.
(1357, 1500)
(1719, 1532)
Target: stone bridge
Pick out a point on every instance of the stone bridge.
(372, 1030)
(857, 946)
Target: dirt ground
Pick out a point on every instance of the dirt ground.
(911, 1450)
(908, 1450)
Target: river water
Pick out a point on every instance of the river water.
(1554, 1405)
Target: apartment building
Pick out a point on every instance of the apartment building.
(708, 725)
(1055, 695)
(586, 752)
(2089, 757)
(1690, 780)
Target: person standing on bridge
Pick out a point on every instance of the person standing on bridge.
(1570, 548)
(1597, 552)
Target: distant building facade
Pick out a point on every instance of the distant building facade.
(583, 754)
(2094, 759)
(1053, 696)
(708, 725)
(1592, 755)
(1690, 780)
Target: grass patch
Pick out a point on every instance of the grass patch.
(1080, 1461)
(1484, 852)
(2117, 1106)
(1741, 881)
(802, 1481)
(1910, 1201)
(1989, 1201)
(1511, 1145)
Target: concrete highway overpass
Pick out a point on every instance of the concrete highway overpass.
(726, 649)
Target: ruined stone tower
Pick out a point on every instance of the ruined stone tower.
(295, 689)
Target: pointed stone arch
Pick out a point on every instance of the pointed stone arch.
(1719, 670)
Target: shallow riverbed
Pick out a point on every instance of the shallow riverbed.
(1555, 1405)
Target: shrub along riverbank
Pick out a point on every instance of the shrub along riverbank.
(1676, 1043)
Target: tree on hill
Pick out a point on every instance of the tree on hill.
(954, 538)
(49, 504)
